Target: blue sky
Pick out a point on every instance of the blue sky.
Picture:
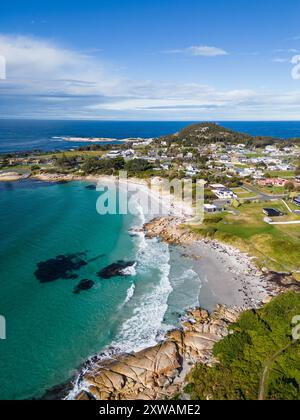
(151, 60)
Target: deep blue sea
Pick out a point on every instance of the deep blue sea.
(21, 135)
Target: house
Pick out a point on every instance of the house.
(222, 192)
(128, 153)
(272, 212)
(272, 182)
(297, 201)
(212, 208)
(270, 149)
(114, 154)
(191, 171)
(243, 172)
(165, 166)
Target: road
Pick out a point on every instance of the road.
(262, 196)
(268, 365)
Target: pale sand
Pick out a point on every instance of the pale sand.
(228, 276)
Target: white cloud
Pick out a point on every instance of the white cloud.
(48, 80)
(280, 60)
(205, 51)
(199, 51)
(36, 66)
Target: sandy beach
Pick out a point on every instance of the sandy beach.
(228, 276)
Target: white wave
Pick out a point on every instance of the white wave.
(130, 293)
(129, 271)
(142, 328)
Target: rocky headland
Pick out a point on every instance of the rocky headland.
(157, 372)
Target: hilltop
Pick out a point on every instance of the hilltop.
(206, 133)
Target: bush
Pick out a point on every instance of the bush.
(257, 337)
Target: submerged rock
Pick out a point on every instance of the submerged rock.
(118, 269)
(83, 286)
(91, 187)
(61, 267)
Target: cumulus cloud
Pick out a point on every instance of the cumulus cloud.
(36, 66)
(47, 80)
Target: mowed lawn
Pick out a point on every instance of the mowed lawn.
(276, 247)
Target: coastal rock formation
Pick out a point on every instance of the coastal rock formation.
(49, 177)
(171, 230)
(158, 372)
(118, 269)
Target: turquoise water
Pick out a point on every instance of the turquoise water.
(50, 330)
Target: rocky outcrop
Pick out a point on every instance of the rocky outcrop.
(10, 176)
(171, 230)
(54, 177)
(158, 372)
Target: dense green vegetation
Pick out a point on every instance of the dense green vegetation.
(260, 341)
(206, 133)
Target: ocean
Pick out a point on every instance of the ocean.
(20, 135)
(51, 331)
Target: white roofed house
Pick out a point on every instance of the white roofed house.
(128, 153)
(212, 208)
(222, 192)
(114, 154)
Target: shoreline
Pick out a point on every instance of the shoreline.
(243, 286)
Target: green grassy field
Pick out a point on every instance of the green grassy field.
(272, 190)
(242, 193)
(282, 174)
(276, 247)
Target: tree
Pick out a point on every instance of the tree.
(138, 165)
(289, 186)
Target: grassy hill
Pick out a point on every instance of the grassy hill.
(207, 133)
(259, 360)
